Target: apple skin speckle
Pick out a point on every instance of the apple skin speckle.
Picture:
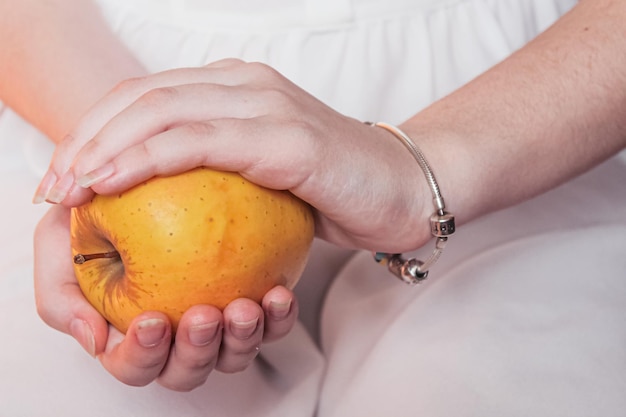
(200, 237)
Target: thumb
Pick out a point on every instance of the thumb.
(60, 301)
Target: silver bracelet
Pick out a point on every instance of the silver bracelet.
(413, 271)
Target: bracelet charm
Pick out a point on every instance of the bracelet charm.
(442, 225)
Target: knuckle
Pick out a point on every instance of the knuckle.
(279, 100)
(68, 142)
(303, 130)
(198, 129)
(129, 85)
(148, 153)
(305, 136)
(261, 70)
(159, 97)
(231, 61)
(94, 146)
(200, 363)
(44, 310)
(64, 152)
(149, 363)
(137, 375)
(82, 163)
(47, 312)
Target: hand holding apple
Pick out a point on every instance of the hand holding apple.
(148, 352)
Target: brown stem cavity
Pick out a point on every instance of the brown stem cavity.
(82, 258)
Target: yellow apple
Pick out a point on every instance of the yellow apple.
(202, 237)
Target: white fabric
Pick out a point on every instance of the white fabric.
(523, 315)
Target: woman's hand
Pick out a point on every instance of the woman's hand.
(246, 117)
(206, 338)
(230, 116)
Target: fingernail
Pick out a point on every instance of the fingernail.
(80, 330)
(47, 182)
(150, 332)
(60, 190)
(97, 175)
(243, 329)
(279, 311)
(203, 334)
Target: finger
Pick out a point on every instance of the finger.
(60, 301)
(281, 313)
(226, 72)
(114, 102)
(195, 350)
(268, 154)
(158, 96)
(242, 337)
(58, 182)
(138, 357)
(66, 185)
(66, 150)
(159, 110)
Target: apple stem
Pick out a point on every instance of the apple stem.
(81, 259)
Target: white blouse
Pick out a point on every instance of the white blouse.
(522, 316)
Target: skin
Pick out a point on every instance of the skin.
(83, 61)
(549, 112)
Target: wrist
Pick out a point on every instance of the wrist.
(453, 165)
(415, 204)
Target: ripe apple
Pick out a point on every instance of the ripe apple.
(201, 237)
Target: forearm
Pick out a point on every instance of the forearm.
(549, 112)
(57, 58)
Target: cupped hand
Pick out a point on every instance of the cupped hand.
(248, 118)
(206, 338)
